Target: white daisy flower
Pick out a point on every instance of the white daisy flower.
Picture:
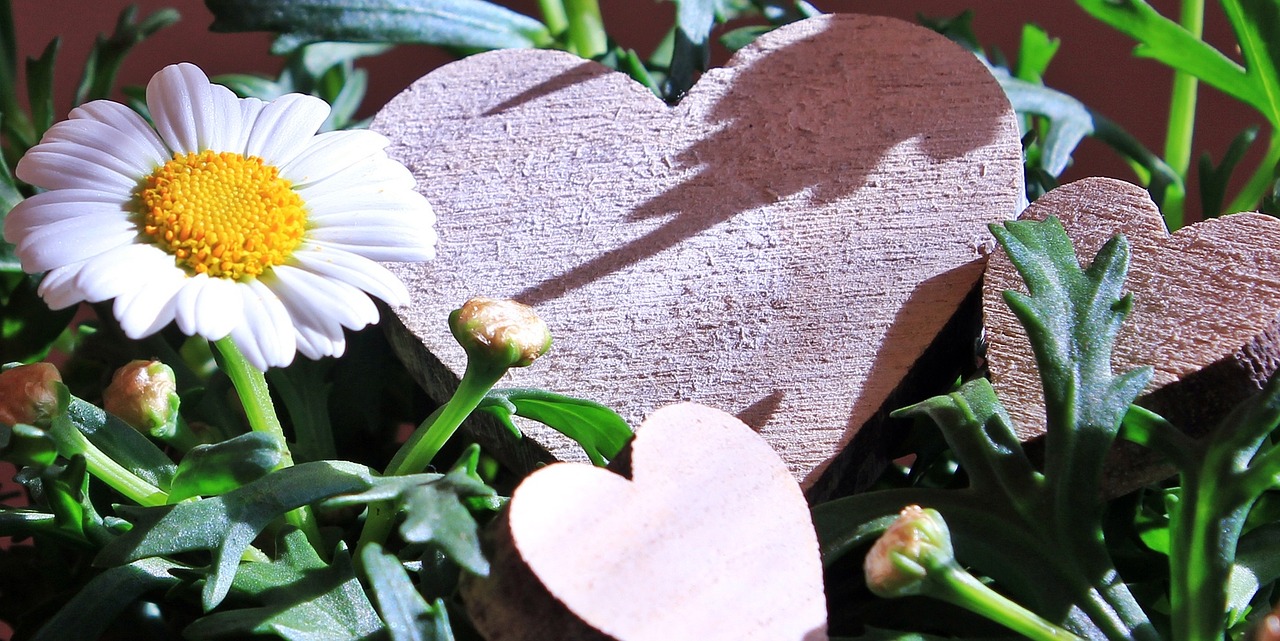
(232, 217)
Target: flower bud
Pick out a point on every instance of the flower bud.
(144, 394)
(29, 394)
(915, 544)
(500, 332)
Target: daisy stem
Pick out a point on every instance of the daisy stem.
(251, 384)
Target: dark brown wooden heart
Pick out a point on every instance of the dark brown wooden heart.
(1205, 316)
(783, 244)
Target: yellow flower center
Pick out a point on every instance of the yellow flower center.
(222, 213)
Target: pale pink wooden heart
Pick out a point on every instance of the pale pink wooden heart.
(1205, 316)
(709, 538)
(783, 244)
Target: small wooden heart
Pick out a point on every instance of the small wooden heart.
(784, 243)
(1206, 307)
(709, 538)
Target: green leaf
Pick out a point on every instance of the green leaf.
(407, 615)
(304, 388)
(598, 429)
(435, 514)
(1035, 53)
(209, 470)
(743, 36)
(467, 24)
(225, 525)
(28, 328)
(302, 598)
(88, 614)
(40, 88)
(1072, 316)
(100, 69)
(1162, 39)
(1215, 180)
(116, 439)
(980, 432)
(25, 445)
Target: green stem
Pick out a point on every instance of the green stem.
(1182, 120)
(954, 585)
(251, 385)
(1203, 533)
(109, 471)
(416, 454)
(586, 28)
(1261, 180)
(553, 15)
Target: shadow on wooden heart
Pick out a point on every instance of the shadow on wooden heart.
(755, 246)
(1206, 313)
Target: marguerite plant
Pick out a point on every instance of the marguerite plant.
(231, 216)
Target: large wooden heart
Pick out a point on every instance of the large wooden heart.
(783, 243)
(690, 546)
(1206, 309)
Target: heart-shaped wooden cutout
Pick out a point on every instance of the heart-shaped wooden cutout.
(1205, 315)
(783, 244)
(710, 538)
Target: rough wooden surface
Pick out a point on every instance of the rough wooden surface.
(1206, 307)
(691, 546)
(783, 244)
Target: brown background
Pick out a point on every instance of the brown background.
(1093, 64)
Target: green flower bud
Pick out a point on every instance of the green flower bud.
(917, 543)
(29, 394)
(500, 333)
(144, 394)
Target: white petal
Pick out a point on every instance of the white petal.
(71, 241)
(224, 127)
(374, 176)
(148, 309)
(127, 122)
(136, 156)
(181, 105)
(332, 152)
(284, 127)
(266, 337)
(355, 270)
(409, 246)
(121, 270)
(326, 302)
(59, 170)
(209, 307)
(400, 201)
(250, 108)
(58, 288)
(54, 206)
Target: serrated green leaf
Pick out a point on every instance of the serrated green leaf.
(99, 75)
(91, 610)
(302, 598)
(209, 470)
(435, 514)
(407, 615)
(1071, 316)
(225, 525)
(467, 24)
(598, 429)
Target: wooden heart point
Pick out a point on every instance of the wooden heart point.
(1206, 307)
(783, 244)
(710, 538)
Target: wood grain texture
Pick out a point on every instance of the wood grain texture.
(686, 546)
(1206, 308)
(783, 244)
